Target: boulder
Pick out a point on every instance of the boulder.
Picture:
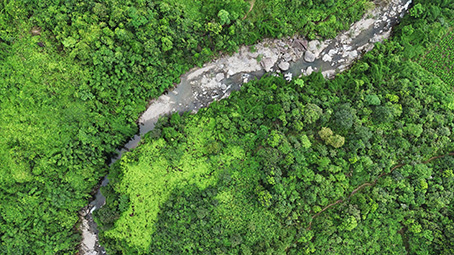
(313, 45)
(342, 68)
(327, 58)
(347, 47)
(267, 63)
(304, 43)
(287, 57)
(309, 70)
(220, 76)
(329, 74)
(300, 44)
(350, 54)
(309, 57)
(297, 45)
(284, 65)
(288, 76)
(332, 52)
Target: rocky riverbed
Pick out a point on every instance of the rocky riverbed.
(216, 80)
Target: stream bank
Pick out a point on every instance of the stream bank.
(217, 79)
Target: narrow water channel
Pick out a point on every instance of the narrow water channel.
(216, 80)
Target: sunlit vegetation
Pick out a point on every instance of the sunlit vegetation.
(53, 148)
(440, 59)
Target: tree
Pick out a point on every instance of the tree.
(344, 117)
(383, 114)
(325, 133)
(373, 100)
(224, 17)
(312, 113)
(336, 141)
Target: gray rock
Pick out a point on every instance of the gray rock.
(327, 58)
(313, 45)
(347, 47)
(352, 54)
(280, 43)
(267, 63)
(332, 52)
(309, 57)
(304, 43)
(329, 74)
(309, 70)
(220, 76)
(342, 68)
(301, 43)
(297, 45)
(287, 57)
(284, 65)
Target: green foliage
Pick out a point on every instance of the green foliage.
(417, 10)
(336, 141)
(305, 142)
(373, 100)
(439, 59)
(325, 133)
(52, 148)
(344, 117)
(224, 16)
(414, 129)
(312, 113)
(311, 18)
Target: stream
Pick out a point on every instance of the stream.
(217, 79)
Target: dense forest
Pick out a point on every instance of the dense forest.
(360, 164)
